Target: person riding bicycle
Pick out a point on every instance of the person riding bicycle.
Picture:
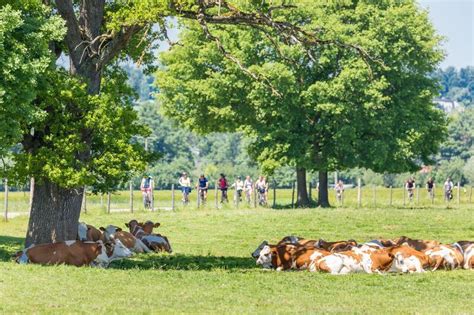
(185, 183)
(448, 189)
(410, 187)
(239, 187)
(146, 186)
(223, 186)
(430, 185)
(261, 187)
(202, 186)
(248, 188)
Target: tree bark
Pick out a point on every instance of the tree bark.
(323, 196)
(54, 214)
(302, 199)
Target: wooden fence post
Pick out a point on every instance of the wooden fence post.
(172, 197)
(391, 195)
(404, 195)
(417, 194)
(459, 193)
(274, 193)
(6, 199)
(255, 196)
(198, 197)
(131, 196)
(470, 195)
(84, 200)
(217, 197)
(375, 196)
(432, 194)
(152, 196)
(359, 193)
(108, 202)
(293, 196)
(310, 195)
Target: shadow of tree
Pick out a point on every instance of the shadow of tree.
(9, 245)
(184, 262)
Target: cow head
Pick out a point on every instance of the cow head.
(102, 259)
(109, 231)
(120, 251)
(256, 253)
(148, 226)
(82, 231)
(399, 264)
(265, 257)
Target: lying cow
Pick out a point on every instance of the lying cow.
(337, 246)
(419, 245)
(76, 253)
(341, 263)
(86, 232)
(279, 257)
(144, 232)
(407, 259)
(112, 233)
(290, 240)
(448, 256)
(469, 257)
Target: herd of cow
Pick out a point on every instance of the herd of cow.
(98, 247)
(402, 255)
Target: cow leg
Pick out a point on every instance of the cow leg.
(141, 246)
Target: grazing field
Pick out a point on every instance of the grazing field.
(211, 270)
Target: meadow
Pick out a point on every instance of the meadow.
(211, 270)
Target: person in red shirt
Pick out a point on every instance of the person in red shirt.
(223, 186)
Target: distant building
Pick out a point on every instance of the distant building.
(447, 105)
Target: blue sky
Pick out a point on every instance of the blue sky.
(454, 19)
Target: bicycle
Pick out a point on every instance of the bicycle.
(186, 191)
(262, 201)
(202, 195)
(146, 200)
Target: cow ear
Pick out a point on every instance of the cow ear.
(118, 229)
(127, 225)
(156, 225)
(102, 228)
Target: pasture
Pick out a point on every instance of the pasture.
(211, 270)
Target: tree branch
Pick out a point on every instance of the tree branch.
(73, 35)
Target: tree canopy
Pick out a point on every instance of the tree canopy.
(325, 107)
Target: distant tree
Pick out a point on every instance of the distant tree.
(323, 108)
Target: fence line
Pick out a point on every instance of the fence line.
(165, 199)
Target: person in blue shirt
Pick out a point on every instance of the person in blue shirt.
(202, 186)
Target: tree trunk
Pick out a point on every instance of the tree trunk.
(323, 196)
(302, 199)
(54, 214)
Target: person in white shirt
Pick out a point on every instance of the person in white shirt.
(248, 187)
(261, 187)
(239, 187)
(448, 189)
(185, 184)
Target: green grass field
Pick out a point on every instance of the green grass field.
(211, 270)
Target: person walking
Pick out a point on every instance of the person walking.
(223, 186)
(185, 184)
(448, 189)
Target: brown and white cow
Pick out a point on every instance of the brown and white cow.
(380, 260)
(112, 233)
(338, 246)
(76, 253)
(290, 240)
(87, 232)
(469, 257)
(448, 256)
(279, 257)
(408, 259)
(419, 245)
(341, 263)
(155, 242)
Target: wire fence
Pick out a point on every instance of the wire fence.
(19, 202)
